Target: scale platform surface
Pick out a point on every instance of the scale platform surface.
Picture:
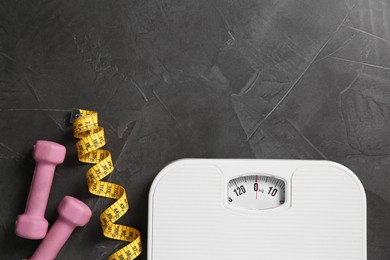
(256, 209)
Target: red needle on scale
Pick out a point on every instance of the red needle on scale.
(257, 185)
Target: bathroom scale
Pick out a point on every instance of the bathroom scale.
(222, 209)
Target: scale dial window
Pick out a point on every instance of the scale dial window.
(256, 192)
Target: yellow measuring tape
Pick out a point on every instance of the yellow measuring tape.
(86, 128)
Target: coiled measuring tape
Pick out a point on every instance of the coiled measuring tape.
(86, 128)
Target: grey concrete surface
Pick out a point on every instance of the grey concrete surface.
(176, 79)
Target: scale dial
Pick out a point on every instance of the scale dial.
(256, 192)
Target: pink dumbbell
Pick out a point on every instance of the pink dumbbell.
(32, 224)
(73, 213)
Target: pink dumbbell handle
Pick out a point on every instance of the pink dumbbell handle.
(40, 189)
(54, 240)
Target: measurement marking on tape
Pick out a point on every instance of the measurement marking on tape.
(86, 128)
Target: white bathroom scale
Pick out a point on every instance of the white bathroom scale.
(225, 209)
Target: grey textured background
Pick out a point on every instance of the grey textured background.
(174, 79)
